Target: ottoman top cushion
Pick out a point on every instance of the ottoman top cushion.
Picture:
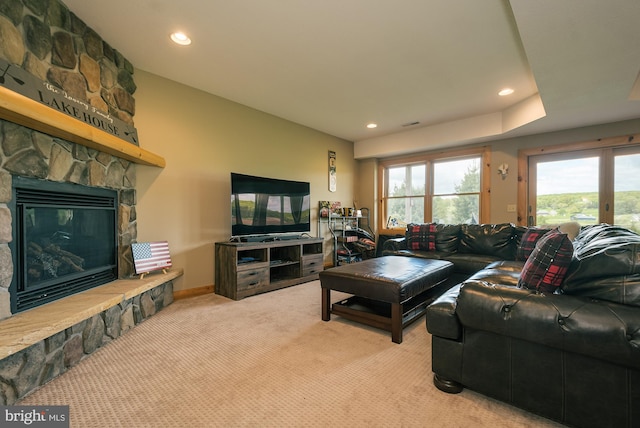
(393, 279)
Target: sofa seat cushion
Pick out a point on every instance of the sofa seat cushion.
(495, 240)
(499, 273)
(603, 330)
(510, 265)
(393, 245)
(469, 263)
(605, 265)
(436, 255)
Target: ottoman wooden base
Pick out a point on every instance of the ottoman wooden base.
(381, 315)
(401, 291)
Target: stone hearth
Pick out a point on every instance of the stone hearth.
(42, 343)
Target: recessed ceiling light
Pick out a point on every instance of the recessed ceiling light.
(505, 91)
(180, 38)
(372, 125)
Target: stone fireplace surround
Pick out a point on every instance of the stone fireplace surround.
(30, 153)
(50, 42)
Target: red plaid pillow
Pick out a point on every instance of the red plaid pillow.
(547, 265)
(528, 242)
(421, 236)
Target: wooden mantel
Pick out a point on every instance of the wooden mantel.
(24, 111)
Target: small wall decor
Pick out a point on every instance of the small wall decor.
(332, 171)
(503, 170)
(150, 256)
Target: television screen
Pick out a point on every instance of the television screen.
(261, 205)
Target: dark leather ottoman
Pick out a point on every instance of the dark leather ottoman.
(388, 292)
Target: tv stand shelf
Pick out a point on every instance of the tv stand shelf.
(247, 268)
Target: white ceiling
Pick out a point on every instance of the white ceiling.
(336, 65)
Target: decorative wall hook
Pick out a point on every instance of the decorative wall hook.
(503, 170)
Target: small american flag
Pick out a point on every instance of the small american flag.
(150, 256)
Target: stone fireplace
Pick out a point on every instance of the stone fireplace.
(49, 42)
(38, 343)
(29, 153)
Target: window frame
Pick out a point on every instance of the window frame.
(428, 159)
(606, 149)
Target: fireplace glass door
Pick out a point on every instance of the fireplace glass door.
(66, 240)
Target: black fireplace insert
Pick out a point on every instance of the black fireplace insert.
(64, 240)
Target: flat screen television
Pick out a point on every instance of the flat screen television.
(264, 206)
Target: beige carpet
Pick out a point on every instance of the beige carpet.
(266, 361)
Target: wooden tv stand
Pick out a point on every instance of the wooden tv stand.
(247, 268)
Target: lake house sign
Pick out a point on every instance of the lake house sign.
(24, 83)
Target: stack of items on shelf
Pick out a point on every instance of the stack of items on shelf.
(353, 237)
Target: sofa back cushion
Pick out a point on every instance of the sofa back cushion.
(605, 265)
(490, 239)
(547, 266)
(447, 237)
(421, 236)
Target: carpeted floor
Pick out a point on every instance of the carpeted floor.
(266, 361)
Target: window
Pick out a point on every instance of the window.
(406, 194)
(565, 189)
(456, 191)
(598, 183)
(445, 189)
(626, 189)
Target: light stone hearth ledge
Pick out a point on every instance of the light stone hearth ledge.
(28, 328)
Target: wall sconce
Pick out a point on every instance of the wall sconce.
(503, 170)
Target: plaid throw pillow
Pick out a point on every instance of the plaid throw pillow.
(421, 236)
(528, 242)
(547, 265)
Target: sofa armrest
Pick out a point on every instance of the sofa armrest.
(442, 320)
(395, 244)
(604, 330)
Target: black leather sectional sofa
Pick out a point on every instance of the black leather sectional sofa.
(571, 354)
